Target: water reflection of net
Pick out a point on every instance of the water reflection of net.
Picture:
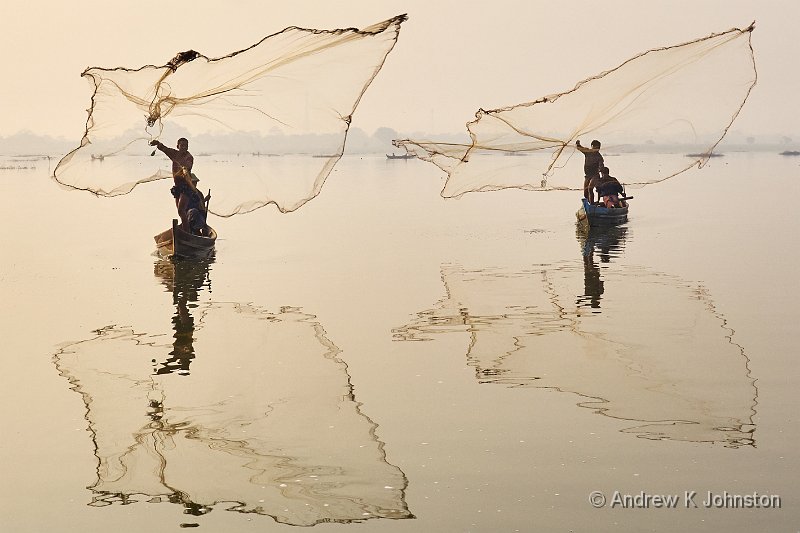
(660, 356)
(267, 422)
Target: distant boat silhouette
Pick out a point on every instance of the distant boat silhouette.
(705, 155)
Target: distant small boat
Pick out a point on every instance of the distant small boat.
(596, 215)
(712, 154)
(790, 152)
(98, 157)
(401, 156)
(175, 242)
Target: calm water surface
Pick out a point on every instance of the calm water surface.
(386, 360)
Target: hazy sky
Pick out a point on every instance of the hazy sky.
(452, 57)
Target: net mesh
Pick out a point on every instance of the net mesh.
(294, 92)
(681, 97)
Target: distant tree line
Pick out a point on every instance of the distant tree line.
(358, 142)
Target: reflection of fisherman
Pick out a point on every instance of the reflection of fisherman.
(609, 243)
(185, 279)
(182, 352)
(592, 164)
(593, 286)
(188, 200)
(592, 282)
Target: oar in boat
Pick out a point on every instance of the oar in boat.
(207, 198)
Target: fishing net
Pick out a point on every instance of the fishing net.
(290, 96)
(672, 99)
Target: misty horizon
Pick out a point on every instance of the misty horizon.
(358, 142)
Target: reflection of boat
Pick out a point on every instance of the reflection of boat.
(401, 156)
(267, 423)
(658, 357)
(596, 215)
(175, 242)
(609, 241)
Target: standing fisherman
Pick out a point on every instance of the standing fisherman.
(184, 190)
(592, 164)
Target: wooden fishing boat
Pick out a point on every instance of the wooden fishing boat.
(175, 242)
(597, 215)
(401, 156)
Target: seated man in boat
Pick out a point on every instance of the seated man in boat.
(609, 189)
(182, 162)
(196, 210)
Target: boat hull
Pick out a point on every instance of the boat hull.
(175, 242)
(595, 215)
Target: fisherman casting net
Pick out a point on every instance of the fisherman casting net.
(292, 94)
(666, 99)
